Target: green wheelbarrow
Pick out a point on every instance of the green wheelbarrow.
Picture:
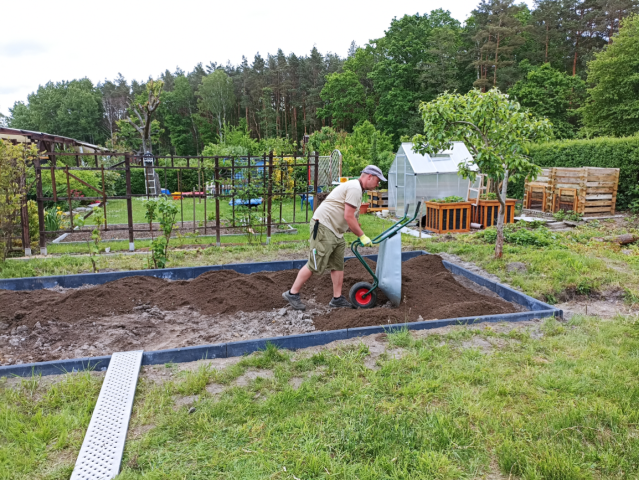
(388, 274)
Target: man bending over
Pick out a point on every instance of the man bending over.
(337, 214)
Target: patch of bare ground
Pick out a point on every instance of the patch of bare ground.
(138, 431)
(296, 382)
(149, 328)
(605, 305)
(215, 389)
(180, 401)
(494, 473)
(160, 374)
(251, 375)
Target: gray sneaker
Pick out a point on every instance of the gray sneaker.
(340, 302)
(294, 300)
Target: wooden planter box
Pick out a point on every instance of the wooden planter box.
(485, 213)
(447, 217)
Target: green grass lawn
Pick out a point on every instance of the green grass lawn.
(117, 211)
(560, 404)
(574, 262)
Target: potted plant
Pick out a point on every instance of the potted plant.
(445, 215)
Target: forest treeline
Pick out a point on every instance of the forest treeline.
(540, 55)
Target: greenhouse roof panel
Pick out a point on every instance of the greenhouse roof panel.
(444, 162)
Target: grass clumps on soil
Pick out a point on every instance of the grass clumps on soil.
(560, 266)
(521, 233)
(542, 402)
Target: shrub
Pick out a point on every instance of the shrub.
(14, 161)
(165, 211)
(488, 196)
(520, 235)
(450, 199)
(562, 215)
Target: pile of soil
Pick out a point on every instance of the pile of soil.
(218, 299)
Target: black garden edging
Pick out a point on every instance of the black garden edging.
(537, 309)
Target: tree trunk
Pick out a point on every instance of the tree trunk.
(501, 215)
(546, 57)
(574, 62)
(496, 58)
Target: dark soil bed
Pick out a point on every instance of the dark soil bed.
(150, 313)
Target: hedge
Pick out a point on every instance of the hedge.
(607, 152)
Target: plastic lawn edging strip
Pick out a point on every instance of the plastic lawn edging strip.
(537, 309)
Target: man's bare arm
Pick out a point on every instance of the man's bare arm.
(349, 216)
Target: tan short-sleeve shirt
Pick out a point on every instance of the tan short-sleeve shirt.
(331, 212)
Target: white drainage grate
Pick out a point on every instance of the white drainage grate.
(101, 451)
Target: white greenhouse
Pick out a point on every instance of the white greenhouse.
(414, 177)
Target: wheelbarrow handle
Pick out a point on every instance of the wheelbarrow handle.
(391, 232)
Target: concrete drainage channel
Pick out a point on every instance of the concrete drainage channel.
(103, 446)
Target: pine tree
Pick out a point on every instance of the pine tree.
(498, 35)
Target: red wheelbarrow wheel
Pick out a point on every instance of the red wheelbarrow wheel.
(357, 293)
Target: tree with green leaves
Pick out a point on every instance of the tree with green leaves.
(444, 68)
(397, 75)
(495, 129)
(612, 107)
(217, 97)
(498, 36)
(72, 109)
(178, 111)
(345, 99)
(552, 94)
(364, 146)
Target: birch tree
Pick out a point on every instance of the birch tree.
(496, 130)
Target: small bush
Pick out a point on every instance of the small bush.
(562, 215)
(539, 236)
(450, 199)
(488, 196)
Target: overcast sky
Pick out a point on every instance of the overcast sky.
(54, 40)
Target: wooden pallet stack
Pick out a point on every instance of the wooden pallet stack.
(590, 191)
(378, 200)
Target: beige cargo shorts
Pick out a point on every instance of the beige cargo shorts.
(329, 250)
